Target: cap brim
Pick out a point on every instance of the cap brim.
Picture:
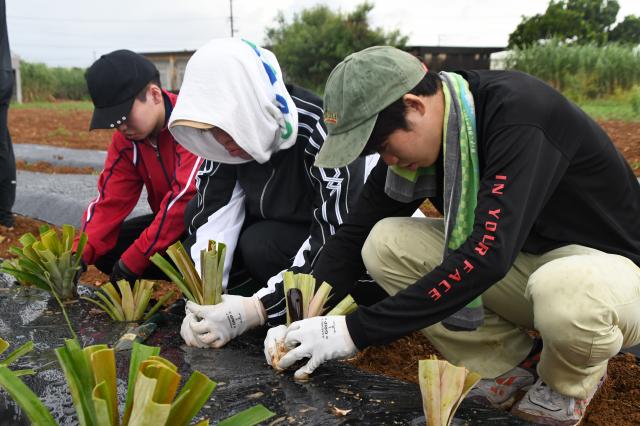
(189, 123)
(108, 117)
(342, 149)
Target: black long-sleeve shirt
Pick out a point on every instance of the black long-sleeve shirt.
(549, 177)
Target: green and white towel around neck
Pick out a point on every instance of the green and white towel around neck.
(461, 182)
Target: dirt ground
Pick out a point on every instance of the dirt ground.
(69, 129)
(617, 402)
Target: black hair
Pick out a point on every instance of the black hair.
(142, 95)
(392, 118)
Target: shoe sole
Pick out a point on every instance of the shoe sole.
(543, 420)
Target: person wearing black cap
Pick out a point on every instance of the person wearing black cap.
(7, 160)
(126, 92)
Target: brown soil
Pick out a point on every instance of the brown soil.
(617, 402)
(626, 136)
(44, 167)
(398, 359)
(64, 128)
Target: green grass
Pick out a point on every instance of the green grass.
(616, 107)
(585, 70)
(59, 106)
(59, 132)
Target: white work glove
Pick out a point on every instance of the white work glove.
(319, 338)
(275, 335)
(186, 333)
(215, 325)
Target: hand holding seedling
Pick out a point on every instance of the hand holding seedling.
(319, 338)
(187, 334)
(275, 338)
(216, 325)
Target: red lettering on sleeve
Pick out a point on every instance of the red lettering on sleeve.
(468, 267)
(434, 294)
(486, 238)
(495, 213)
(497, 188)
(490, 226)
(445, 284)
(481, 249)
(456, 276)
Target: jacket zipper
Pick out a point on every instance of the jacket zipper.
(164, 171)
(273, 172)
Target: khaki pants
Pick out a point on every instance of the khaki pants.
(584, 303)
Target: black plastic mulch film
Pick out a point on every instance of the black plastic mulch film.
(244, 379)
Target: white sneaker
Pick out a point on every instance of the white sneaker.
(543, 405)
(502, 391)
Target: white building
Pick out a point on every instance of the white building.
(17, 86)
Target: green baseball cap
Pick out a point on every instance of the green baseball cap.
(358, 88)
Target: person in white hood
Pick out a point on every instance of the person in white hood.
(258, 191)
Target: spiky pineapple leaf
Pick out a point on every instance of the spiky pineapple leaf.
(192, 397)
(173, 275)
(25, 398)
(21, 351)
(249, 417)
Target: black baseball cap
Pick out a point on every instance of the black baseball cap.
(114, 81)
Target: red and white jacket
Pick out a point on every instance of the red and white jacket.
(167, 172)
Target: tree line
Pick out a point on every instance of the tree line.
(318, 38)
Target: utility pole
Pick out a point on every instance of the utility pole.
(231, 17)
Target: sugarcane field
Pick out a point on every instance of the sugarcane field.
(312, 213)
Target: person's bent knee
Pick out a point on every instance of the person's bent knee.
(252, 249)
(572, 311)
(564, 281)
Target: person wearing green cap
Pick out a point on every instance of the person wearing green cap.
(541, 220)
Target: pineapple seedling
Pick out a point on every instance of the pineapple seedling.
(152, 393)
(128, 305)
(303, 303)
(443, 387)
(48, 262)
(203, 289)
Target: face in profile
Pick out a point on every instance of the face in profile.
(419, 145)
(229, 144)
(143, 117)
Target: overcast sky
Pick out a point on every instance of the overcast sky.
(75, 32)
